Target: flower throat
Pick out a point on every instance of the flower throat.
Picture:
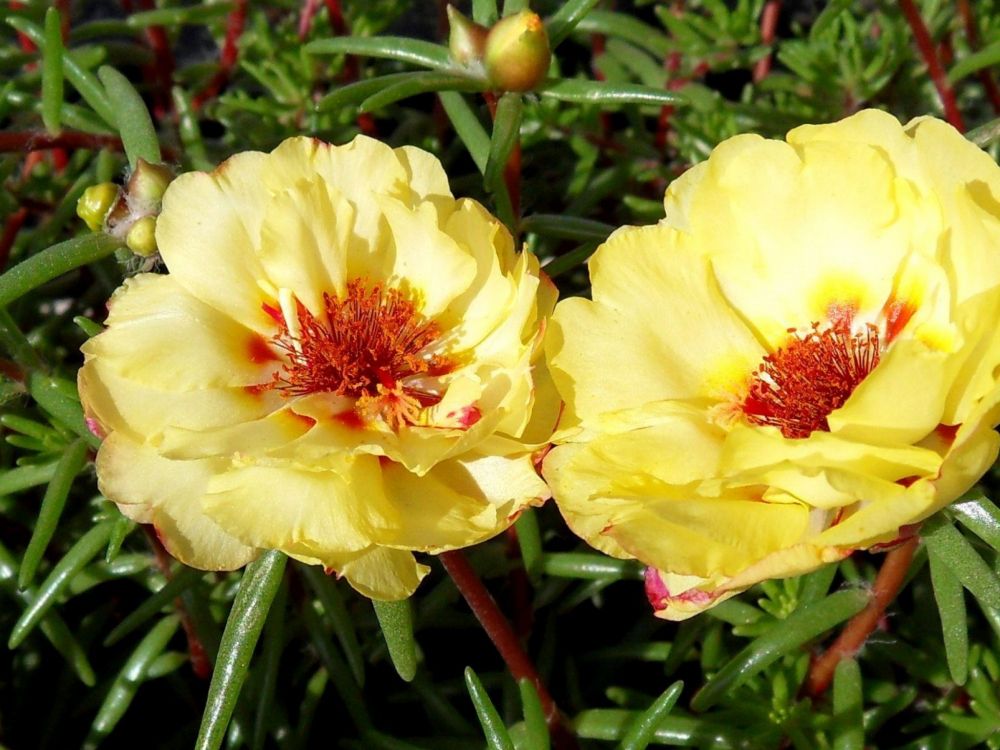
(796, 387)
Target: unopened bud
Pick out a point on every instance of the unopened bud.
(467, 39)
(517, 52)
(146, 186)
(95, 204)
(141, 237)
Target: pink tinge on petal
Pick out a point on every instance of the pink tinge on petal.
(95, 428)
(660, 597)
(466, 416)
(905, 532)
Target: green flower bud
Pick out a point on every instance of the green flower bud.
(96, 203)
(146, 186)
(467, 39)
(517, 52)
(141, 237)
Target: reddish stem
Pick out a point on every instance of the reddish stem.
(39, 140)
(309, 8)
(235, 22)
(500, 632)
(972, 34)
(768, 24)
(160, 73)
(10, 229)
(926, 46)
(887, 584)
(26, 44)
(200, 663)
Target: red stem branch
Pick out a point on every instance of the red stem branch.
(200, 663)
(500, 632)
(972, 35)
(39, 140)
(887, 584)
(768, 24)
(10, 229)
(235, 22)
(926, 46)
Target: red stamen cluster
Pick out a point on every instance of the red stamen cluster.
(373, 339)
(796, 387)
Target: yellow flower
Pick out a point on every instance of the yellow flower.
(339, 365)
(801, 360)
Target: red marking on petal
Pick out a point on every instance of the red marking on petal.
(947, 432)
(656, 590)
(538, 457)
(304, 419)
(329, 571)
(466, 416)
(274, 313)
(907, 481)
(350, 419)
(258, 351)
(905, 532)
(95, 427)
(256, 390)
(897, 315)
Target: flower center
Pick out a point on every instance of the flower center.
(796, 387)
(370, 348)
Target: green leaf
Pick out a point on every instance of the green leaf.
(613, 724)
(628, 28)
(81, 553)
(985, 135)
(357, 91)
(590, 566)
(52, 72)
(181, 582)
(848, 729)
(510, 7)
(261, 580)
(194, 14)
(404, 49)
(134, 123)
(983, 58)
(798, 628)
(948, 543)
(467, 126)
(52, 262)
(497, 737)
(567, 227)
(420, 83)
(484, 12)
(338, 616)
(122, 528)
(642, 732)
(506, 133)
(190, 131)
(978, 514)
(581, 91)
(396, 621)
(59, 398)
(22, 477)
(529, 539)
(131, 676)
(561, 24)
(71, 464)
(52, 625)
(534, 716)
(79, 77)
(274, 641)
(950, 598)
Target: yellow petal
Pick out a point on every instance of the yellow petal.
(168, 494)
(322, 514)
(384, 574)
(658, 328)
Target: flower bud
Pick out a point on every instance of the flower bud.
(95, 204)
(141, 237)
(146, 186)
(467, 39)
(517, 52)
